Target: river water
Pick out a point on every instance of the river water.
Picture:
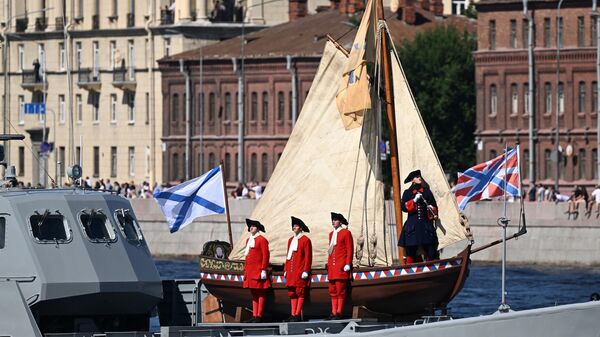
(527, 287)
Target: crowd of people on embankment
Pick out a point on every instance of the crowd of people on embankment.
(579, 200)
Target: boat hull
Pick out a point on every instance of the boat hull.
(394, 291)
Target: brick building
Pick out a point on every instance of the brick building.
(501, 70)
(269, 102)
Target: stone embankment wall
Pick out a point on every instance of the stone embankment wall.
(550, 238)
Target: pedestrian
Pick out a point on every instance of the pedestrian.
(256, 268)
(297, 267)
(418, 233)
(339, 263)
(541, 193)
(531, 192)
(36, 71)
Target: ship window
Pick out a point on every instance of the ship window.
(49, 227)
(96, 226)
(2, 232)
(128, 226)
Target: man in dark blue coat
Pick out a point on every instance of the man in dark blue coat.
(418, 232)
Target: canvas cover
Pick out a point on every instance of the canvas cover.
(324, 168)
(417, 152)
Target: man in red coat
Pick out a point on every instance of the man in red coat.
(255, 268)
(339, 263)
(297, 267)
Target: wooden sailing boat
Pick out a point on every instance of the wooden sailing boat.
(331, 163)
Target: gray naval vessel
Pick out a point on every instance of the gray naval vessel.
(74, 262)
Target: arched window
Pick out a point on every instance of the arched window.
(525, 164)
(265, 107)
(175, 108)
(227, 109)
(493, 154)
(280, 106)
(514, 98)
(253, 106)
(526, 99)
(561, 98)
(227, 168)
(547, 164)
(582, 96)
(211, 160)
(265, 167)
(548, 98)
(253, 166)
(212, 107)
(582, 162)
(175, 167)
(493, 100)
(594, 97)
(595, 164)
(200, 110)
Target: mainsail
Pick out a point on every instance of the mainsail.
(327, 166)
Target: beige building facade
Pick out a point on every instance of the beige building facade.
(93, 64)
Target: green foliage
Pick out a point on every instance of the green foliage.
(440, 70)
(471, 11)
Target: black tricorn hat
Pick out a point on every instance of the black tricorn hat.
(338, 216)
(296, 221)
(412, 175)
(257, 224)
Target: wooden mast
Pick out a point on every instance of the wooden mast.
(389, 107)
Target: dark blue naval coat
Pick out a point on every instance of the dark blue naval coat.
(418, 229)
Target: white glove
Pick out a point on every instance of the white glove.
(417, 197)
(304, 275)
(263, 275)
(429, 207)
(347, 267)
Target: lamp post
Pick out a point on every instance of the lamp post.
(531, 93)
(596, 15)
(557, 135)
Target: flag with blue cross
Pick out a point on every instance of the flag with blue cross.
(194, 198)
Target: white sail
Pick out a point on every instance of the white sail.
(324, 168)
(417, 152)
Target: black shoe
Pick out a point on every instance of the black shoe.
(338, 316)
(257, 319)
(296, 319)
(331, 317)
(251, 320)
(289, 319)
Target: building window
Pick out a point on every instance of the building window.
(492, 34)
(61, 109)
(95, 101)
(280, 106)
(525, 33)
(581, 161)
(21, 109)
(547, 164)
(200, 110)
(253, 166)
(20, 57)
(131, 57)
(594, 97)
(78, 157)
(514, 98)
(548, 98)
(61, 161)
(227, 168)
(580, 32)
(525, 164)
(62, 61)
(175, 167)
(265, 107)
(175, 110)
(253, 106)
(212, 162)
(562, 166)
(594, 34)
(547, 32)
(493, 100)
(595, 164)
(235, 169)
(227, 110)
(526, 98)
(131, 156)
(582, 96)
(212, 107)
(290, 106)
(561, 34)
(265, 167)
(96, 161)
(493, 154)
(113, 161)
(78, 55)
(113, 54)
(561, 98)
(130, 101)
(21, 161)
(513, 33)
(167, 46)
(113, 108)
(96, 61)
(79, 105)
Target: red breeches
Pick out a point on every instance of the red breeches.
(258, 301)
(296, 295)
(337, 292)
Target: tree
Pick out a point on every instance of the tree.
(439, 67)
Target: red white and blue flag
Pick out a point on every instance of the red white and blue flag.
(487, 180)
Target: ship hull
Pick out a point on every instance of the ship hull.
(396, 291)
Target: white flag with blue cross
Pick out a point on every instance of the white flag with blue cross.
(194, 198)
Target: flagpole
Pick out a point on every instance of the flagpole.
(226, 204)
(504, 223)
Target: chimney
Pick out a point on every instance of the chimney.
(297, 9)
(409, 14)
(438, 8)
(425, 5)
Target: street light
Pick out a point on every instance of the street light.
(596, 15)
(557, 136)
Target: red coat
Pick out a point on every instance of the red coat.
(257, 260)
(301, 261)
(342, 255)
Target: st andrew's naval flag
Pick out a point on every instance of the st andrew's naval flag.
(198, 197)
(487, 180)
